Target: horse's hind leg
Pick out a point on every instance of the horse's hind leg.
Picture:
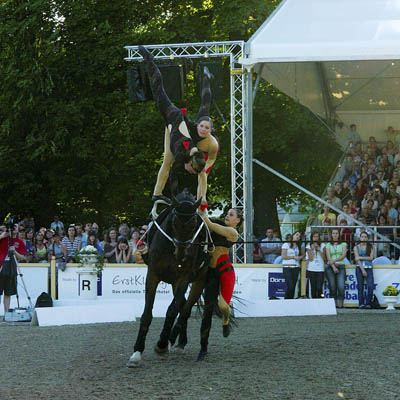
(210, 301)
(172, 312)
(145, 320)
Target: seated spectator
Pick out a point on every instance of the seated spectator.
(110, 247)
(344, 216)
(374, 146)
(365, 176)
(270, 247)
(346, 190)
(40, 249)
(369, 218)
(57, 224)
(360, 229)
(348, 165)
(363, 255)
(141, 249)
(123, 252)
(335, 201)
(380, 181)
(345, 232)
(327, 218)
(339, 192)
(352, 208)
(392, 214)
(258, 256)
(390, 148)
(388, 232)
(381, 260)
(91, 241)
(70, 244)
(360, 190)
(392, 133)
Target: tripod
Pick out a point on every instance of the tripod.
(17, 314)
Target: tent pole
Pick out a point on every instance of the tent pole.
(248, 173)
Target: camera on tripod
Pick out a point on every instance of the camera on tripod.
(10, 221)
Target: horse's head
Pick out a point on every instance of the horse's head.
(184, 218)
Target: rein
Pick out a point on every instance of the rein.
(176, 242)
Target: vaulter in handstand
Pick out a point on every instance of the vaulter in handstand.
(186, 144)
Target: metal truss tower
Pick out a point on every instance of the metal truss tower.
(240, 121)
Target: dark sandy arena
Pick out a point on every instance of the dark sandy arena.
(354, 355)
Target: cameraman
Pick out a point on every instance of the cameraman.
(9, 246)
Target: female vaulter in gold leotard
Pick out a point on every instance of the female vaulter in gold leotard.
(224, 235)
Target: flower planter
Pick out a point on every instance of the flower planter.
(390, 301)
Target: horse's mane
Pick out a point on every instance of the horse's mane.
(185, 195)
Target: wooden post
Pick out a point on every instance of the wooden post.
(303, 278)
(53, 278)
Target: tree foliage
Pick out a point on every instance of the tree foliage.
(72, 144)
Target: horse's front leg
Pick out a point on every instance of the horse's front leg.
(172, 312)
(180, 327)
(151, 286)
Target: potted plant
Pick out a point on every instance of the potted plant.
(90, 259)
(91, 263)
(390, 295)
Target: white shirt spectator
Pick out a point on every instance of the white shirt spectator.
(278, 260)
(268, 244)
(290, 252)
(317, 264)
(342, 217)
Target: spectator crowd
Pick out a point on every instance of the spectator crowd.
(118, 245)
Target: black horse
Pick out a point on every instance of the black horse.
(175, 257)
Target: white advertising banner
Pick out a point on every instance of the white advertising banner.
(253, 286)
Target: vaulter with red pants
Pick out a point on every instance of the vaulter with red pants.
(224, 235)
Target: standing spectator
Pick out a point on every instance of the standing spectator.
(95, 228)
(123, 252)
(123, 231)
(40, 248)
(48, 237)
(57, 225)
(55, 247)
(315, 267)
(141, 249)
(92, 241)
(335, 272)
(353, 136)
(103, 242)
(30, 251)
(134, 239)
(88, 227)
(79, 231)
(270, 247)
(8, 284)
(111, 245)
(70, 244)
(292, 254)
(364, 254)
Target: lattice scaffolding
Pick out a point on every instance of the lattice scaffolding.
(235, 51)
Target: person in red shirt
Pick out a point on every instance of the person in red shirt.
(16, 246)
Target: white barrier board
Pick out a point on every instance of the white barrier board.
(75, 312)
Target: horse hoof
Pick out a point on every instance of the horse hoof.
(160, 350)
(226, 330)
(202, 355)
(135, 360)
(178, 348)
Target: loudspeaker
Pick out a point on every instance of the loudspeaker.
(217, 84)
(140, 88)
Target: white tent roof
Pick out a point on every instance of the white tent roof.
(335, 56)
